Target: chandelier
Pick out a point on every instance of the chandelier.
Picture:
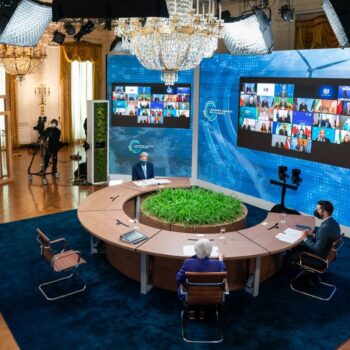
(20, 61)
(172, 44)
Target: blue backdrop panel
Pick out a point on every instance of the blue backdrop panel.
(221, 162)
(170, 149)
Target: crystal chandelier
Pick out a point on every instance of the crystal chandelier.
(172, 44)
(20, 61)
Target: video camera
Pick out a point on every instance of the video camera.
(40, 126)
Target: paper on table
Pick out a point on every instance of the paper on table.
(289, 235)
(151, 182)
(188, 250)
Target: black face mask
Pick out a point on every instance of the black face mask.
(317, 214)
(143, 162)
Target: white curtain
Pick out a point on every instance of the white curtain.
(82, 91)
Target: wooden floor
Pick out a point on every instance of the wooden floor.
(21, 199)
(7, 342)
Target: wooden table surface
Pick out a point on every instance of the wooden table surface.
(265, 237)
(175, 182)
(171, 243)
(103, 225)
(100, 211)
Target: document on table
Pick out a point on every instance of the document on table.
(151, 182)
(188, 250)
(289, 235)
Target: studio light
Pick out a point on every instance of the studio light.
(22, 23)
(296, 179)
(69, 28)
(338, 14)
(86, 28)
(58, 37)
(282, 173)
(287, 13)
(248, 34)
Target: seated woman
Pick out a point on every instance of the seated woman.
(199, 263)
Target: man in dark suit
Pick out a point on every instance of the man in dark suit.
(321, 238)
(283, 131)
(322, 136)
(52, 137)
(143, 169)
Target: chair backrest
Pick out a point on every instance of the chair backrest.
(332, 254)
(45, 245)
(205, 288)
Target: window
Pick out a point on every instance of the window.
(82, 91)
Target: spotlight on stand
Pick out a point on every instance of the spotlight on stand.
(282, 175)
(58, 37)
(296, 179)
(86, 28)
(248, 34)
(287, 13)
(338, 14)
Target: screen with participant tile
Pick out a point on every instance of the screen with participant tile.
(151, 105)
(304, 118)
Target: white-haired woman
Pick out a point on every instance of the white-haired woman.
(200, 262)
(143, 169)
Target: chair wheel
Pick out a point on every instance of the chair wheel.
(30, 178)
(44, 181)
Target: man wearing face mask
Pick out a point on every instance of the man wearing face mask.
(143, 169)
(52, 136)
(320, 240)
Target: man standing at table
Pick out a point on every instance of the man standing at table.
(143, 169)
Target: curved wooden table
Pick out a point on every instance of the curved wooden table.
(110, 212)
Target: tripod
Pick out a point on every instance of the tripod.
(40, 147)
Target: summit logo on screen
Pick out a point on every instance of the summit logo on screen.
(136, 147)
(211, 112)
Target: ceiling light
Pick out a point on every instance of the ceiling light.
(287, 13)
(58, 37)
(86, 28)
(69, 28)
(26, 24)
(338, 14)
(172, 44)
(248, 34)
(21, 61)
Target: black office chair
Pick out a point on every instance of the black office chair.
(204, 289)
(314, 264)
(61, 261)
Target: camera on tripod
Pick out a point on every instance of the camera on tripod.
(40, 126)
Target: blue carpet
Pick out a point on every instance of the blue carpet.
(112, 314)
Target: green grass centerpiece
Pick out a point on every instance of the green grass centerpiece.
(192, 207)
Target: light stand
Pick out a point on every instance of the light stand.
(281, 208)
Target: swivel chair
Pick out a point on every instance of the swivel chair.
(314, 264)
(204, 289)
(61, 261)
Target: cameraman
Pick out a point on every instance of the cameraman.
(52, 137)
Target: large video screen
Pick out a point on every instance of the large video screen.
(296, 117)
(151, 105)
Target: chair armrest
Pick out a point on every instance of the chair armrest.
(315, 257)
(64, 255)
(182, 289)
(227, 290)
(59, 240)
